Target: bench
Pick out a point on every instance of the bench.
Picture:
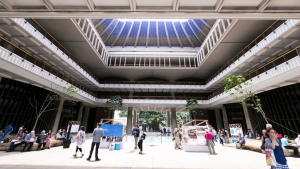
(54, 143)
(287, 152)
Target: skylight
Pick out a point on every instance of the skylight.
(174, 20)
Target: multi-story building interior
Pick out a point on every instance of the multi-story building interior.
(154, 54)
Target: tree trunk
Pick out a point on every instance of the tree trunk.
(35, 123)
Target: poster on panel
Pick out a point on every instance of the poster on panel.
(235, 129)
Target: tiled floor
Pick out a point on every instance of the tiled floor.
(157, 156)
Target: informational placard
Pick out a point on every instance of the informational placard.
(194, 135)
(235, 129)
(114, 130)
(74, 128)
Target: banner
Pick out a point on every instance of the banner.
(235, 129)
(194, 135)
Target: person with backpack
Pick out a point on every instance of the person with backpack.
(136, 134)
(142, 136)
(80, 140)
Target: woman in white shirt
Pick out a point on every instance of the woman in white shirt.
(80, 140)
(140, 140)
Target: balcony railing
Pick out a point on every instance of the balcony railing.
(254, 42)
(44, 66)
(47, 35)
(264, 68)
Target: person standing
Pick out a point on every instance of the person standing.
(97, 135)
(176, 135)
(272, 142)
(140, 139)
(209, 137)
(80, 140)
(136, 134)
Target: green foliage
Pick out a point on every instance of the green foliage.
(238, 88)
(123, 113)
(182, 117)
(150, 118)
(114, 103)
(191, 105)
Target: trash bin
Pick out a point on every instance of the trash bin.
(117, 146)
(66, 143)
(234, 140)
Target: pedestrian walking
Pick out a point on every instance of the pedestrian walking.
(140, 139)
(209, 137)
(80, 140)
(97, 135)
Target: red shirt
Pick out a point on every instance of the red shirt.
(208, 136)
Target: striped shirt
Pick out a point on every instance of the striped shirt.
(97, 135)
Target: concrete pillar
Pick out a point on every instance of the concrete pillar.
(247, 117)
(218, 119)
(129, 120)
(0, 78)
(173, 118)
(168, 118)
(85, 117)
(57, 117)
(134, 118)
(80, 112)
(225, 119)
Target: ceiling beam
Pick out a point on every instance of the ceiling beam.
(138, 34)
(187, 36)
(131, 5)
(206, 24)
(99, 23)
(118, 36)
(112, 21)
(177, 36)
(111, 32)
(127, 35)
(90, 4)
(134, 5)
(167, 33)
(197, 36)
(219, 5)
(262, 6)
(7, 5)
(153, 15)
(157, 34)
(48, 5)
(200, 29)
(174, 5)
(148, 31)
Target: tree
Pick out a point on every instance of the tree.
(152, 119)
(240, 90)
(123, 113)
(50, 100)
(190, 106)
(114, 103)
(182, 117)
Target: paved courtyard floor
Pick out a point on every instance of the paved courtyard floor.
(156, 155)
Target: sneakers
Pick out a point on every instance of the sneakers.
(88, 159)
(135, 148)
(98, 159)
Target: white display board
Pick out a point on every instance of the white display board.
(235, 129)
(74, 128)
(194, 135)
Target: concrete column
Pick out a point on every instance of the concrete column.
(57, 117)
(134, 118)
(129, 120)
(168, 118)
(85, 117)
(80, 112)
(173, 118)
(0, 78)
(225, 119)
(218, 119)
(247, 117)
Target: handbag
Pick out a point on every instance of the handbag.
(173, 138)
(263, 146)
(270, 157)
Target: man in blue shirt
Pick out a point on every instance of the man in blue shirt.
(1, 136)
(8, 129)
(287, 145)
(242, 140)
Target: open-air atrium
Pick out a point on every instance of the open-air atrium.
(192, 67)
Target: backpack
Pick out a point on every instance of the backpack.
(144, 136)
(6, 140)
